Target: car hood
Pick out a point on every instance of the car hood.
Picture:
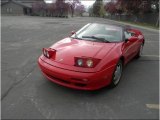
(69, 48)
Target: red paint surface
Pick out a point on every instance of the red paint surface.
(61, 67)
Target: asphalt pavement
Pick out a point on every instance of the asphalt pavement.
(26, 94)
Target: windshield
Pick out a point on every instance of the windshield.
(100, 33)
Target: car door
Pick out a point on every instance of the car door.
(130, 46)
(139, 40)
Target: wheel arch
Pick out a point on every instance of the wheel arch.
(143, 42)
(123, 60)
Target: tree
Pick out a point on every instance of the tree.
(102, 11)
(73, 6)
(62, 8)
(59, 8)
(97, 8)
(90, 10)
(79, 9)
(110, 8)
(51, 8)
(39, 8)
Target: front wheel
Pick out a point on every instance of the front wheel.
(139, 54)
(117, 74)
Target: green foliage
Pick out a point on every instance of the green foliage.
(98, 8)
(102, 11)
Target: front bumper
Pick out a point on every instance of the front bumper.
(77, 80)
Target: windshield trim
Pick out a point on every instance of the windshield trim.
(89, 24)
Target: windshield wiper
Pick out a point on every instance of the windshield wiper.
(75, 37)
(96, 38)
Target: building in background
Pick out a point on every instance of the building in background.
(58, 8)
(17, 7)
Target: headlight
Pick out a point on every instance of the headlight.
(80, 62)
(86, 62)
(89, 63)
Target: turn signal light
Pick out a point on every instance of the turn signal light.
(48, 52)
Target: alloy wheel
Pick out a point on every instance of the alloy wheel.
(117, 74)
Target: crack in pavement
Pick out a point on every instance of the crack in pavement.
(26, 76)
(16, 83)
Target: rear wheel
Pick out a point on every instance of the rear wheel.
(117, 74)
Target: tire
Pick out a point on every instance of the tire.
(117, 74)
(139, 54)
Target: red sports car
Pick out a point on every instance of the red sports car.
(92, 57)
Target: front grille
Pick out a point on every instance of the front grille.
(80, 84)
(76, 79)
(66, 82)
(55, 78)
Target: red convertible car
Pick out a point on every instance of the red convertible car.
(92, 57)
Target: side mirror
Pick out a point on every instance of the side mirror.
(131, 39)
(73, 32)
(126, 39)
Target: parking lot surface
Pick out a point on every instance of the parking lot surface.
(27, 94)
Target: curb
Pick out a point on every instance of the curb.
(146, 28)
